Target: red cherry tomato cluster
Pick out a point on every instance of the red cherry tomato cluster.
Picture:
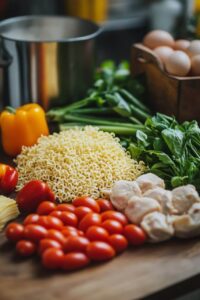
(70, 236)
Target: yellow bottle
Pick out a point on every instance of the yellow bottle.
(78, 8)
(95, 10)
(99, 10)
(197, 14)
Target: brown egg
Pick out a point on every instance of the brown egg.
(181, 45)
(194, 48)
(178, 64)
(163, 52)
(157, 38)
(195, 61)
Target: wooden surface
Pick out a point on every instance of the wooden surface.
(154, 271)
(135, 274)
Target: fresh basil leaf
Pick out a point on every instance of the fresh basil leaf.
(163, 157)
(175, 141)
(178, 180)
(135, 151)
(171, 150)
(191, 127)
(158, 165)
(142, 138)
(158, 144)
(160, 122)
(193, 169)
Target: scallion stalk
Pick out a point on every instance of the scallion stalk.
(125, 131)
(95, 121)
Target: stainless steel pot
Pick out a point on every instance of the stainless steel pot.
(46, 59)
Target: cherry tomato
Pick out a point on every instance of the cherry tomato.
(112, 226)
(70, 231)
(114, 215)
(46, 207)
(31, 219)
(76, 243)
(25, 248)
(56, 213)
(74, 261)
(88, 202)
(89, 220)
(100, 251)
(14, 232)
(118, 242)
(35, 232)
(135, 235)
(48, 243)
(67, 217)
(81, 211)
(81, 233)
(56, 235)
(52, 258)
(43, 221)
(65, 207)
(50, 222)
(97, 233)
(104, 205)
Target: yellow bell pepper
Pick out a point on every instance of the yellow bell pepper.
(22, 127)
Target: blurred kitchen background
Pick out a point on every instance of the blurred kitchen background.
(124, 21)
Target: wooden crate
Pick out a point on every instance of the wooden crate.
(178, 96)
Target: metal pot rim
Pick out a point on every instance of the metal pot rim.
(97, 29)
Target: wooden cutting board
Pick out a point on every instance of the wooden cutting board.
(135, 274)
(162, 271)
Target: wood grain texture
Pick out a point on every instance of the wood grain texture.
(135, 274)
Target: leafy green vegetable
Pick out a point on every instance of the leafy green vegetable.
(114, 104)
(113, 101)
(174, 140)
(171, 150)
(118, 104)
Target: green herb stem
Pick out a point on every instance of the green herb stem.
(134, 100)
(96, 121)
(126, 131)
